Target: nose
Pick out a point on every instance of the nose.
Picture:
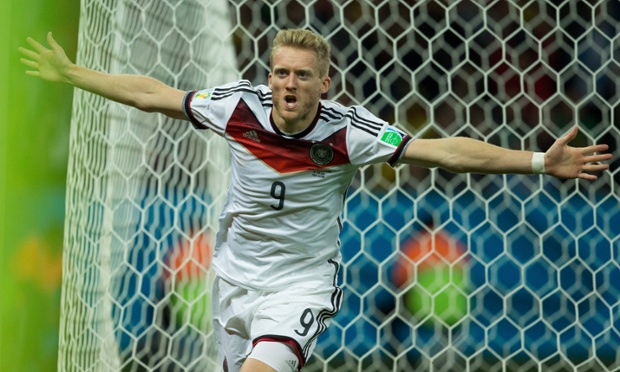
(291, 81)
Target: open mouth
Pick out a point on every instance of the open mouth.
(290, 102)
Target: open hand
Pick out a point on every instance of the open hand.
(564, 161)
(49, 64)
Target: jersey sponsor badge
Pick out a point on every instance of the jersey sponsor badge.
(321, 153)
(392, 136)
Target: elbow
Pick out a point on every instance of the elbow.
(454, 164)
(457, 169)
(473, 166)
(142, 104)
(468, 156)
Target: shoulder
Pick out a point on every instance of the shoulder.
(357, 117)
(229, 94)
(213, 107)
(242, 87)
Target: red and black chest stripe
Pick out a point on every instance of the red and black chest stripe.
(285, 155)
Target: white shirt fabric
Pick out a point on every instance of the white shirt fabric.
(281, 222)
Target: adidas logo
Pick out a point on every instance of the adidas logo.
(251, 135)
(292, 364)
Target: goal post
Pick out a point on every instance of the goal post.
(143, 193)
(440, 271)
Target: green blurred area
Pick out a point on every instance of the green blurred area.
(34, 145)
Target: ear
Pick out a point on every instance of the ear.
(327, 82)
(269, 80)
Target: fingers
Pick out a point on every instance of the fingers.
(592, 157)
(36, 45)
(32, 62)
(52, 42)
(592, 154)
(594, 148)
(588, 177)
(592, 165)
(32, 57)
(586, 172)
(29, 63)
(595, 158)
(570, 135)
(28, 53)
(589, 168)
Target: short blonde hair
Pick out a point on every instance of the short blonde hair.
(303, 39)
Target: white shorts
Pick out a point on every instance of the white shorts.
(295, 316)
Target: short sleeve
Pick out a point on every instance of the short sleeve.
(197, 106)
(211, 108)
(372, 140)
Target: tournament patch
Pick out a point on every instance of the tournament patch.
(392, 136)
(205, 94)
(321, 153)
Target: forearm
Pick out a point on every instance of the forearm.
(474, 156)
(132, 90)
(142, 92)
(466, 155)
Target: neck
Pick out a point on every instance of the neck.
(294, 127)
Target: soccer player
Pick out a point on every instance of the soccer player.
(277, 255)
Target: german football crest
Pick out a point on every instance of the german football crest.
(321, 153)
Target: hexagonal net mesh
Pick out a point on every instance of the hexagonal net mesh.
(441, 271)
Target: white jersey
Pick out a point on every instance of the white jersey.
(282, 219)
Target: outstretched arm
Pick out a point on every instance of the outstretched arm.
(461, 155)
(142, 92)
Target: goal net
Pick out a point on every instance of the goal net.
(441, 272)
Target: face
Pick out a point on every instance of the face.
(296, 86)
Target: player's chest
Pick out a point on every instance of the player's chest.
(252, 145)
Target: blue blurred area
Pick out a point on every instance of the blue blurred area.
(544, 271)
(146, 329)
(542, 266)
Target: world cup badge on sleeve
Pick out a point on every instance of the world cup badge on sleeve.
(204, 95)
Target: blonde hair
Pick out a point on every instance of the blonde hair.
(303, 39)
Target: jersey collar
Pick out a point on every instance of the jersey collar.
(301, 134)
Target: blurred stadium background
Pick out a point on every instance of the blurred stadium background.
(34, 146)
(541, 278)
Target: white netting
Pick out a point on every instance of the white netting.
(442, 272)
(144, 192)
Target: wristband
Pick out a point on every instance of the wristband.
(538, 163)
